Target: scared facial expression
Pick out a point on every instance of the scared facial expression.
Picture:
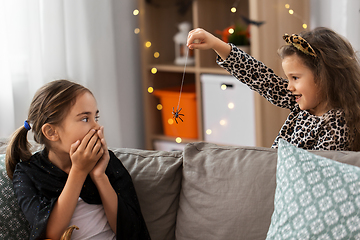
(302, 85)
(82, 117)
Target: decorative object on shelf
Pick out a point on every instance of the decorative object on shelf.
(238, 35)
(181, 49)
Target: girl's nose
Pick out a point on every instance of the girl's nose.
(290, 87)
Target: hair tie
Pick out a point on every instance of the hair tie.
(27, 125)
(300, 43)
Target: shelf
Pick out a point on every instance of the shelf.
(158, 23)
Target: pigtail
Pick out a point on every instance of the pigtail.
(17, 149)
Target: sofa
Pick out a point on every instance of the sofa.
(217, 192)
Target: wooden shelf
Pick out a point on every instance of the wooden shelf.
(158, 24)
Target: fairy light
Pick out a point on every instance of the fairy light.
(208, 131)
(222, 122)
(223, 87)
(233, 9)
(136, 12)
(150, 89)
(137, 30)
(154, 70)
(148, 44)
(231, 31)
(178, 140)
(159, 107)
(156, 54)
(291, 12)
(231, 105)
(170, 121)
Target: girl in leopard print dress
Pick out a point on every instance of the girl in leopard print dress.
(322, 89)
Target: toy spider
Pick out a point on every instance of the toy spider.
(177, 114)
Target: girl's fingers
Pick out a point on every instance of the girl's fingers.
(74, 147)
(86, 139)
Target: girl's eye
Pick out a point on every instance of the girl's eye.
(85, 119)
(295, 78)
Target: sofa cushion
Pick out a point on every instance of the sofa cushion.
(157, 180)
(315, 198)
(228, 192)
(13, 223)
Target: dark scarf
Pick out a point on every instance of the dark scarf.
(38, 184)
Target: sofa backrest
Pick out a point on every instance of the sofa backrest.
(228, 192)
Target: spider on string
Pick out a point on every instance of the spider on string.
(177, 114)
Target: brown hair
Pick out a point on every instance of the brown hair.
(337, 73)
(49, 105)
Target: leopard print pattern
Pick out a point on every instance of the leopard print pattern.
(302, 129)
(300, 43)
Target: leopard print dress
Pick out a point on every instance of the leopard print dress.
(302, 129)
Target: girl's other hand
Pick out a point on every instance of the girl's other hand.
(85, 154)
(101, 165)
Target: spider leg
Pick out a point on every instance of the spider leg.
(181, 119)
(176, 121)
(181, 114)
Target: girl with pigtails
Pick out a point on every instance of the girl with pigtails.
(75, 179)
(322, 89)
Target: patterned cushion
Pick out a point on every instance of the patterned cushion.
(315, 198)
(13, 223)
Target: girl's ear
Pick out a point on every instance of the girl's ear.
(50, 132)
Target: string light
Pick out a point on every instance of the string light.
(231, 30)
(233, 10)
(136, 12)
(154, 70)
(156, 54)
(231, 105)
(137, 30)
(208, 131)
(291, 12)
(178, 140)
(150, 89)
(159, 107)
(148, 44)
(222, 122)
(223, 87)
(170, 121)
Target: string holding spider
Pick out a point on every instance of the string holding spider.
(177, 114)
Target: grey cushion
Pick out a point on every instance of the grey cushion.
(157, 180)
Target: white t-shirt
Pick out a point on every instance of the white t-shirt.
(92, 222)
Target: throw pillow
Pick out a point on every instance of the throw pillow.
(13, 223)
(315, 198)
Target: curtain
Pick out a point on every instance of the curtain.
(341, 16)
(87, 41)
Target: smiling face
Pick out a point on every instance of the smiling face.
(302, 86)
(82, 117)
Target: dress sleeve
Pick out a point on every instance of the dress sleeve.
(36, 208)
(258, 77)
